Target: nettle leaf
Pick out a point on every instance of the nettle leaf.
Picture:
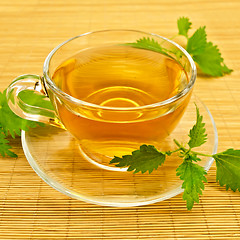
(210, 61)
(36, 103)
(197, 42)
(4, 146)
(183, 26)
(228, 169)
(34, 98)
(193, 177)
(146, 43)
(10, 122)
(147, 158)
(149, 44)
(197, 134)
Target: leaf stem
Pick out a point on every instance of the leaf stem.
(190, 150)
(181, 147)
(201, 154)
(177, 143)
(177, 150)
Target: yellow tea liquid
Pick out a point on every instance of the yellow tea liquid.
(119, 77)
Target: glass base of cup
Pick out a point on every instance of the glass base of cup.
(102, 156)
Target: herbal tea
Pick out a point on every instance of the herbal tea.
(119, 77)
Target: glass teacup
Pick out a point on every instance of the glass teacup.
(110, 94)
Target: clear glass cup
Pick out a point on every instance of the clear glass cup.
(125, 128)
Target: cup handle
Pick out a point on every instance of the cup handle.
(21, 103)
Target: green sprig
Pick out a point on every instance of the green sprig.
(148, 158)
(204, 53)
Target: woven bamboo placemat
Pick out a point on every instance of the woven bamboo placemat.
(29, 208)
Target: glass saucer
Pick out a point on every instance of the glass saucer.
(54, 155)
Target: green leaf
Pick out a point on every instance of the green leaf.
(228, 169)
(193, 177)
(206, 55)
(197, 133)
(4, 147)
(183, 26)
(210, 61)
(33, 98)
(147, 158)
(9, 122)
(36, 103)
(197, 42)
(149, 44)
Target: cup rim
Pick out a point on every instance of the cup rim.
(64, 95)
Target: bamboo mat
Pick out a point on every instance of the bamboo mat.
(29, 208)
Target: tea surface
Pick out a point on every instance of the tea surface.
(120, 76)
